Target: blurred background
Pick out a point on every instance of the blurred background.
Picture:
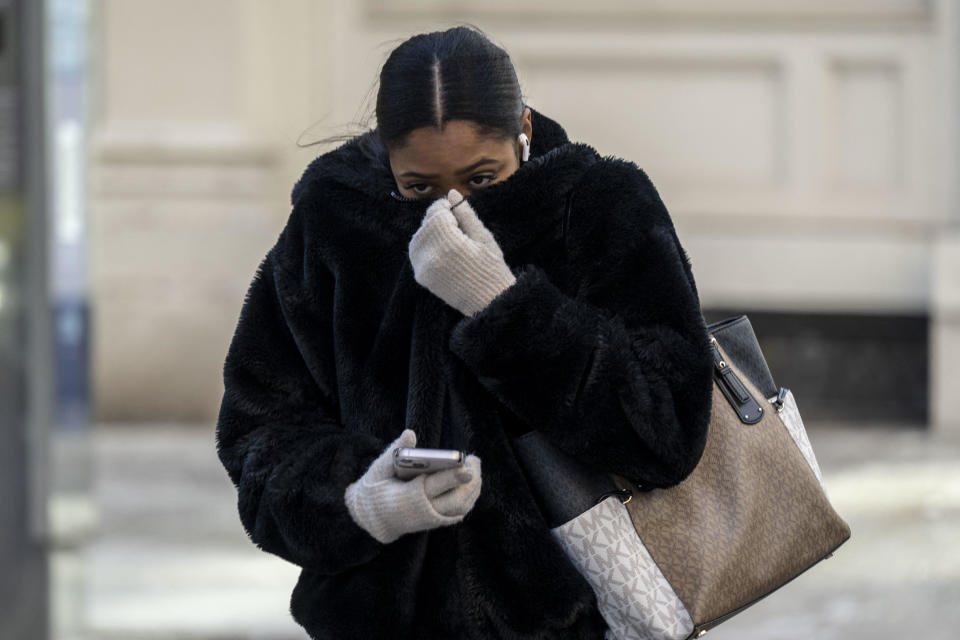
(809, 153)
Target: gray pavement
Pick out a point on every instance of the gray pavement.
(169, 559)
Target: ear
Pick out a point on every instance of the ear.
(526, 123)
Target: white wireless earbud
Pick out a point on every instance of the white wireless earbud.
(525, 146)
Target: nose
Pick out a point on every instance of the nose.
(455, 190)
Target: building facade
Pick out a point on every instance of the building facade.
(808, 152)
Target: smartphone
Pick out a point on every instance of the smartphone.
(409, 461)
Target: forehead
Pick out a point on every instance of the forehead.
(430, 150)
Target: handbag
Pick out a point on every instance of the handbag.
(672, 563)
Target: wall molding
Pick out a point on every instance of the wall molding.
(667, 74)
(193, 143)
(854, 13)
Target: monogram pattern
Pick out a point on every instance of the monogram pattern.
(748, 519)
(790, 415)
(632, 594)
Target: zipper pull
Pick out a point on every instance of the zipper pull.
(748, 409)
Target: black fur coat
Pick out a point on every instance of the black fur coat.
(600, 344)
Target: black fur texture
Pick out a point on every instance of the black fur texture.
(600, 344)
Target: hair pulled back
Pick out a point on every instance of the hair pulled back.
(457, 74)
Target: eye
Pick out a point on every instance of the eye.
(420, 189)
(482, 180)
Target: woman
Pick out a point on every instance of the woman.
(433, 288)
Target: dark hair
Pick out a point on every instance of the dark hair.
(457, 74)
(433, 78)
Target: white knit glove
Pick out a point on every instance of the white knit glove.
(459, 500)
(387, 507)
(457, 258)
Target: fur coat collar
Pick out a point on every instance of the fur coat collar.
(513, 209)
(599, 345)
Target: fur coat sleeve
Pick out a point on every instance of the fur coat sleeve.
(278, 433)
(617, 369)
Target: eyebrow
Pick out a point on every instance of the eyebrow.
(478, 163)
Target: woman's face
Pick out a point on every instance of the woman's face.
(431, 162)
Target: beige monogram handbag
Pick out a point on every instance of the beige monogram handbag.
(753, 515)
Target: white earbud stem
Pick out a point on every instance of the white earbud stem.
(525, 147)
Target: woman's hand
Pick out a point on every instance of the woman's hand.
(457, 258)
(387, 507)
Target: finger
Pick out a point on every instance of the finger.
(472, 463)
(407, 439)
(440, 482)
(450, 503)
(466, 216)
(441, 221)
(455, 198)
(472, 226)
(470, 469)
(437, 233)
(440, 204)
(459, 501)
